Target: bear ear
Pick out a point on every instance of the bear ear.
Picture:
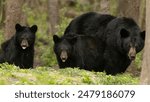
(18, 27)
(34, 28)
(124, 33)
(56, 39)
(142, 34)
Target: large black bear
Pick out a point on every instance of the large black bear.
(119, 39)
(77, 51)
(94, 25)
(123, 41)
(19, 50)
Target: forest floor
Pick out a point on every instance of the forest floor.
(11, 74)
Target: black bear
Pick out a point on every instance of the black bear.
(77, 51)
(19, 50)
(119, 39)
(91, 24)
(63, 48)
(123, 41)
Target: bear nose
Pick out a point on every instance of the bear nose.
(132, 57)
(63, 58)
(132, 53)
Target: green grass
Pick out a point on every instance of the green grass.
(11, 74)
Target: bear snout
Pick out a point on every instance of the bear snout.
(24, 44)
(63, 56)
(132, 53)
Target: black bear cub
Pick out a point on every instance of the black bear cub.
(77, 51)
(19, 50)
(64, 51)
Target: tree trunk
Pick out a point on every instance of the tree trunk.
(2, 13)
(145, 76)
(96, 5)
(104, 6)
(53, 16)
(13, 16)
(129, 8)
(142, 14)
(1, 9)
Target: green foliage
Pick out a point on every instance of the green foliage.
(138, 60)
(11, 74)
(113, 7)
(48, 57)
(63, 25)
(83, 7)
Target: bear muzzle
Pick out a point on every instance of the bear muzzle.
(24, 44)
(132, 53)
(63, 56)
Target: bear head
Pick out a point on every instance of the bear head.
(63, 46)
(25, 36)
(132, 41)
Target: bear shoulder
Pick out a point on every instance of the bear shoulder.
(5, 44)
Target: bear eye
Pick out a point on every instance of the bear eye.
(136, 45)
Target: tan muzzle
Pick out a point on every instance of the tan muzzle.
(132, 53)
(24, 44)
(63, 56)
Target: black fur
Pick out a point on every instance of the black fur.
(12, 50)
(121, 34)
(82, 52)
(115, 37)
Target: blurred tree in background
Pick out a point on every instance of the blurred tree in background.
(13, 12)
(53, 16)
(145, 76)
(13, 9)
(129, 8)
(2, 13)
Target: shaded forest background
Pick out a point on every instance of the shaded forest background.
(53, 16)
